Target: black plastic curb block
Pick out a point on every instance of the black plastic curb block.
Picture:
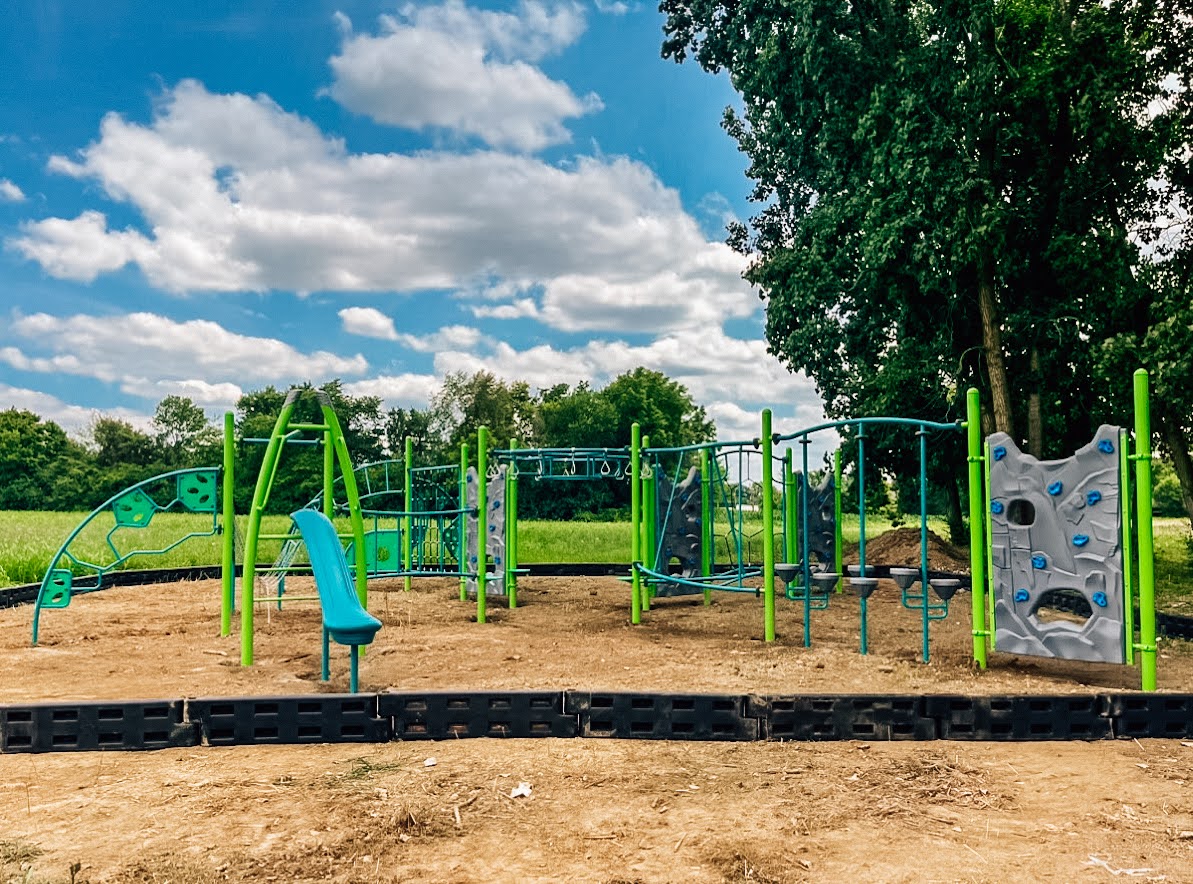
(43, 727)
(663, 716)
(886, 717)
(1151, 715)
(320, 718)
(1021, 718)
(440, 715)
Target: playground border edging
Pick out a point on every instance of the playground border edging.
(437, 715)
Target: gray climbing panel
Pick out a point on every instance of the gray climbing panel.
(1056, 528)
(821, 524)
(680, 536)
(494, 521)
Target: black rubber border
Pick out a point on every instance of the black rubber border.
(443, 715)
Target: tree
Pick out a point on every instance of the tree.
(183, 434)
(950, 190)
(663, 408)
(30, 453)
(465, 402)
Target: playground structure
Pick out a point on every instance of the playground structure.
(1030, 539)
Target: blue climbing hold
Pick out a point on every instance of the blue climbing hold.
(1080, 540)
(496, 560)
(1039, 562)
(996, 507)
(1055, 488)
(497, 504)
(1022, 595)
(1100, 599)
(1092, 497)
(468, 478)
(473, 560)
(1000, 452)
(1106, 446)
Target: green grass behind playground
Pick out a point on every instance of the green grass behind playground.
(29, 539)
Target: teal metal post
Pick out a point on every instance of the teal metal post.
(228, 568)
(861, 540)
(482, 519)
(635, 523)
(408, 506)
(923, 437)
(706, 535)
(1143, 506)
(790, 507)
(768, 527)
(838, 528)
(511, 528)
(647, 550)
(977, 520)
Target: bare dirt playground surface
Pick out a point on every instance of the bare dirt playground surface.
(599, 810)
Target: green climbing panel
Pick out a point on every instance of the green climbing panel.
(134, 509)
(57, 593)
(197, 491)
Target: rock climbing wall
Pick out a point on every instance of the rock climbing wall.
(1056, 528)
(821, 525)
(679, 531)
(494, 520)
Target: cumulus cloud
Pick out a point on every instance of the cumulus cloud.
(464, 70)
(446, 338)
(368, 322)
(404, 390)
(238, 195)
(9, 192)
(72, 418)
(153, 356)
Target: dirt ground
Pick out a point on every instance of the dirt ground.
(599, 810)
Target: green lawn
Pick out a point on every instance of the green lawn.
(29, 539)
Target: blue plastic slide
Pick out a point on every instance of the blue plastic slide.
(344, 620)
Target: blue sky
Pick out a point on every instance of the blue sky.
(207, 201)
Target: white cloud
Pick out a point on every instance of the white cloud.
(448, 337)
(72, 418)
(464, 70)
(405, 390)
(152, 356)
(519, 308)
(368, 322)
(236, 194)
(612, 7)
(9, 192)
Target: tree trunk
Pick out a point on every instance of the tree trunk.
(1035, 420)
(1000, 391)
(1177, 444)
(958, 535)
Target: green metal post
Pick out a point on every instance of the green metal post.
(1124, 494)
(482, 519)
(1143, 521)
(838, 528)
(408, 506)
(635, 523)
(463, 520)
(706, 537)
(228, 569)
(329, 455)
(248, 580)
(351, 496)
(768, 528)
(511, 529)
(977, 519)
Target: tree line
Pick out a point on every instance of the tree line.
(43, 468)
(960, 193)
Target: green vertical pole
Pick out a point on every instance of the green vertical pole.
(463, 522)
(248, 580)
(706, 551)
(511, 529)
(351, 495)
(977, 519)
(790, 510)
(329, 460)
(768, 528)
(1143, 521)
(228, 569)
(408, 506)
(635, 523)
(1128, 547)
(482, 519)
(648, 549)
(838, 528)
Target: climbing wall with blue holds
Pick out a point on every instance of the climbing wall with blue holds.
(821, 524)
(679, 531)
(494, 521)
(1056, 530)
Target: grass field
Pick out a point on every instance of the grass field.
(28, 540)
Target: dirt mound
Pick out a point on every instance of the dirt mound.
(901, 546)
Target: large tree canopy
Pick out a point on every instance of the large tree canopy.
(953, 192)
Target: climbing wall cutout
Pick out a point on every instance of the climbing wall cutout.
(1056, 528)
(680, 534)
(821, 525)
(494, 532)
